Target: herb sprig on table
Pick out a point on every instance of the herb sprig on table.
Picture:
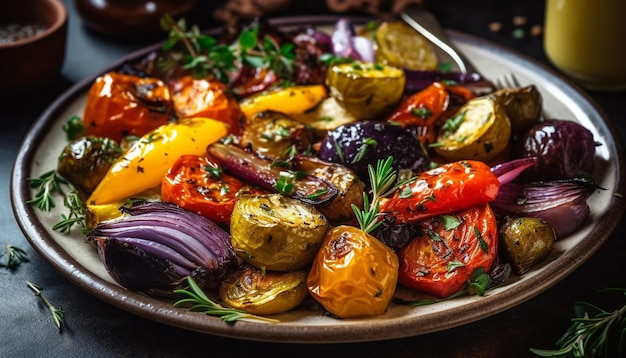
(204, 55)
(588, 336)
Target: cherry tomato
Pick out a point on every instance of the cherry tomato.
(441, 259)
(445, 189)
(197, 183)
(199, 97)
(423, 110)
(353, 274)
(119, 105)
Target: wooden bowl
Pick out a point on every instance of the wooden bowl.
(32, 44)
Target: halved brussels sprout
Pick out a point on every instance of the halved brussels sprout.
(522, 105)
(526, 241)
(480, 130)
(263, 292)
(366, 90)
(276, 232)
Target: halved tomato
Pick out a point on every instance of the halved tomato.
(440, 260)
(197, 183)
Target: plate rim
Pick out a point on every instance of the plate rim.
(163, 312)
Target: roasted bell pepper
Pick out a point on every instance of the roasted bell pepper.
(289, 101)
(147, 161)
(446, 189)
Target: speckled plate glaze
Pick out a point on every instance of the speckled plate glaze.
(79, 263)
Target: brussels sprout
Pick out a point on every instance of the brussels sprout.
(271, 133)
(366, 90)
(526, 241)
(522, 105)
(263, 292)
(480, 130)
(86, 160)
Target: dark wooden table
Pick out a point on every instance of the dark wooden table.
(96, 329)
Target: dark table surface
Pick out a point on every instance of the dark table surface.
(96, 329)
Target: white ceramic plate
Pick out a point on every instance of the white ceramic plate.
(78, 261)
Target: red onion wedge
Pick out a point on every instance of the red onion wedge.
(509, 171)
(562, 203)
(258, 171)
(157, 245)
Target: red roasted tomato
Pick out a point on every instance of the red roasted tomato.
(441, 259)
(197, 183)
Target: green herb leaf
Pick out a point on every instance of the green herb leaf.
(58, 315)
(200, 302)
(14, 256)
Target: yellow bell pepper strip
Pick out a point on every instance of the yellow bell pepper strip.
(148, 160)
(290, 101)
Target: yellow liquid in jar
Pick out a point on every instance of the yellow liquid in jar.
(586, 40)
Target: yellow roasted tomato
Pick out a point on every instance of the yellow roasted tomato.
(354, 274)
(276, 232)
(364, 89)
(263, 292)
(480, 130)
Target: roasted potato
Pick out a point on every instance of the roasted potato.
(276, 232)
(398, 44)
(523, 106)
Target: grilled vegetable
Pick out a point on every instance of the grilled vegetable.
(197, 183)
(480, 130)
(143, 166)
(522, 105)
(565, 150)
(353, 274)
(86, 160)
(271, 134)
(155, 246)
(325, 117)
(275, 232)
(289, 101)
(526, 241)
(360, 144)
(443, 190)
(119, 105)
(364, 89)
(261, 172)
(442, 258)
(398, 44)
(263, 292)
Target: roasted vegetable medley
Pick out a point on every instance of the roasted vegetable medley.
(327, 168)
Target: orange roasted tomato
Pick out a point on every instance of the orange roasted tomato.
(440, 261)
(354, 274)
(197, 183)
(120, 105)
(199, 97)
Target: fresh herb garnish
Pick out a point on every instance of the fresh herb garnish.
(588, 336)
(367, 142)
(382, 181)
(74, 128)
(14, 256)
(76, 215)
(200, 302)
(205, 56)
(47, 184)
(477, 285)
(57, 313)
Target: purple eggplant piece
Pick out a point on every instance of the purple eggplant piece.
(258, 171)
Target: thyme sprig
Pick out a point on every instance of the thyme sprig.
(14, 256)
(58, 315)
(204, 55)
(588, 336)
(200, 302)
(382, 180)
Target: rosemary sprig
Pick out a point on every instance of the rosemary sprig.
(57, 313)
(14, 256)
(200, 302)
(382, 181)
(47, 184)
(588, 336)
